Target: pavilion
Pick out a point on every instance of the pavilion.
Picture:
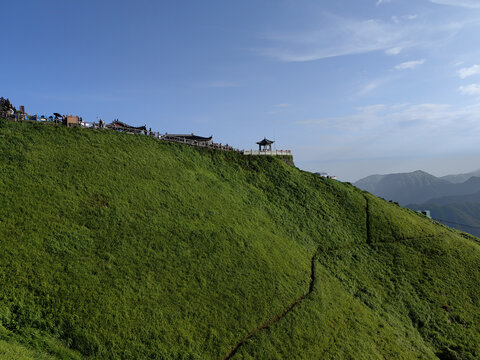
(265, 145)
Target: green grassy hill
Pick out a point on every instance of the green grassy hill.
(115, 246)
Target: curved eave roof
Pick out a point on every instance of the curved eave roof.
(121, 125)
(265, 141)
(189, 137)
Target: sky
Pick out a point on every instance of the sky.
(352, 87)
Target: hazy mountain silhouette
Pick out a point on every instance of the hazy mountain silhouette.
(416, 187)
(461, 211)
(454, 203)
(460, 178)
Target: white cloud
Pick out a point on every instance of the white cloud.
(338, 36)
(379, 2)
(334, 36)
(466, 72)
(410, 64)
(472, 4)
(405, 115)
(394, 51)
(372, 109)
(472, 89)
(397, 19)
(398, 130)
(371, 86)
(390, 138)
(279, 108)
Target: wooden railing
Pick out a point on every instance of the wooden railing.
(168, 138)
(197, 143)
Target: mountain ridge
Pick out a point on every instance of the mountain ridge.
(415, 187)
(460, 178)
(459, 211)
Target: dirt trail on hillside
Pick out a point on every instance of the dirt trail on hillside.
(297, 301)
(290, 307)
(279, 317)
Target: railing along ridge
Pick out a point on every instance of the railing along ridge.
(168, 138)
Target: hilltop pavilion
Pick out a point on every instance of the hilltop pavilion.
(265, 145)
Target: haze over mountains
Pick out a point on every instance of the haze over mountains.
(457, 179)
(418, 186)
(453, 199)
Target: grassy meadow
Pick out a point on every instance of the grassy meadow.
(119, 246)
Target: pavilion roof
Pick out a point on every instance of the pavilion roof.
(265, 141)
(122, 125)
(189, 137)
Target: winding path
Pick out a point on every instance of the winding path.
(297, 301)
(278, 317)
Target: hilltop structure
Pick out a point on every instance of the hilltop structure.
(71, 120)
(189, 138)
(121, 126)
(265, 148)
(265, 144)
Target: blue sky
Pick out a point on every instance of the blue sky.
(352, 87)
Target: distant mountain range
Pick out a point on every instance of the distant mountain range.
(461, 211)
(453, 199)
(460, 178)
(418, 187)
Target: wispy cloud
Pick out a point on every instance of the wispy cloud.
(397, 19)
(338, 36)
(472, 89)
(372, 86)
(410, 65)
(394, 130)
(394, 51)
(279, 108)
(342, 37)
(400, 114)
(380, 2)
(471, 4)
(469, 71)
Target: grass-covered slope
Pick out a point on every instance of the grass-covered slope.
(120, 246)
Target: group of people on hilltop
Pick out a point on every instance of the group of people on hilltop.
(8, 111)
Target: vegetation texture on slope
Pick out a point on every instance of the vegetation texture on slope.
(115, 246)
